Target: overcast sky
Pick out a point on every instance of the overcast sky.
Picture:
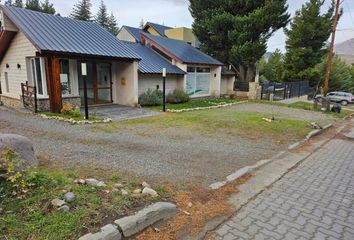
(175, 13)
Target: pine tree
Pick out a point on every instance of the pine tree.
(113, 25)
(102, 16)
(236, 32)
(306, 39)
(16, 3)
(47, 7)
(142, 24)
(33, 5)
(82, 11)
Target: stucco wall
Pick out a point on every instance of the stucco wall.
(215, 81)
(125, 83)
(19, 49)
(227, 85)
(147, 81)
(124, 35)
(152, 31)
(184, 34)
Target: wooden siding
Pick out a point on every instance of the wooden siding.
(19, 49)
(124, 35)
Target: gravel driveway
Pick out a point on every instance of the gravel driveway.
(173, 155)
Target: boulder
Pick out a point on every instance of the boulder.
(108, 232)
(23, 148)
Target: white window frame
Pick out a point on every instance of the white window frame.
(43, 76)
(195, 72)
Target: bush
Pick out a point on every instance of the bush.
(151, 98)
(67, 108)
(177, 96)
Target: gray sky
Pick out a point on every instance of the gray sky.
(175, 13)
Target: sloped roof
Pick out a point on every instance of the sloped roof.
(182, 51)
(151, 62)
(135, 32)
(345, 48)
(55, 34)
(159, 28)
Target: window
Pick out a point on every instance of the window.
(198, 81)
(7, 88)
(65, 77)
(37, 74)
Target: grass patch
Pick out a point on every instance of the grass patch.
(70, 116)
(30, 215)
(224, 122)
(195, 104)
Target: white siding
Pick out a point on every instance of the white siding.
(147, 81)
(124, 35)
(7, 23)
(19, 49)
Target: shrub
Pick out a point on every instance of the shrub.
(151, 98)
(177, 96)
(67, 108)
(76, 112)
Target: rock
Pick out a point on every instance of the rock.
(101, 184)
(145, 185)
(81, 181)
(108, 232)
(92, 182)
(69, 197)
(137, 191)
(58, 203)
(190, 205)
(150, 191)
(55, 183)
(132, 225)
(119, 185)
(22, 147)
(124, 192)
(64, 208)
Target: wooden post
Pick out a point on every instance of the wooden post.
(53, 84)
(330, 54)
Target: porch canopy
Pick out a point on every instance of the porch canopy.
(57, 37)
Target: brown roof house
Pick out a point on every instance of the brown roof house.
(47, 52)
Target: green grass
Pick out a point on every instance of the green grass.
(195, 103)
(69, 116)
(31, 216)
(223, 122)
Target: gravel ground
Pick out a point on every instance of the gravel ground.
(172, 155)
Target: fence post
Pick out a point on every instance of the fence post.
(35, 99)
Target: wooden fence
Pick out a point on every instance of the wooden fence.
(29, 96)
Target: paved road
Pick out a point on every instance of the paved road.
(314, 201)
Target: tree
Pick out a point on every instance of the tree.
(33, 5)
(142, 24)
(102, 16)
(113, 25)
(306, 40)
(236, 32)
(47, 7)
(342, 75)
(82, 11)
(273, 70)
(16, 3)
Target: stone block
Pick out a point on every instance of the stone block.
(132, 225)
(108, 232)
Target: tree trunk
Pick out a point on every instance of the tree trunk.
(246, 73)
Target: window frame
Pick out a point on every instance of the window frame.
(70, 78)
(34, 74)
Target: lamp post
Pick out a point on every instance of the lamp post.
(84, 74)
(164, 89)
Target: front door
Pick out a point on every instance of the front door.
(99, 83)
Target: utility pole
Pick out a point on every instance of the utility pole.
(330, 54)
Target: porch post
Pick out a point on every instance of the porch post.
(53, 84)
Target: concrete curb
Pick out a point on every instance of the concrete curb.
(309, 136)
(132, 225)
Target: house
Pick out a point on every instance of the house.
(47, 51)
(203, 76)
(345, 51)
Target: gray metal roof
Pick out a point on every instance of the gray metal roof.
(159, 28)
(55, 34)
(135, 32)
(151, 62)
(183, 51)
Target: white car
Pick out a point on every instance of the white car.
(339, 97)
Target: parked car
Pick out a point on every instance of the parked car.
(339, 97)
